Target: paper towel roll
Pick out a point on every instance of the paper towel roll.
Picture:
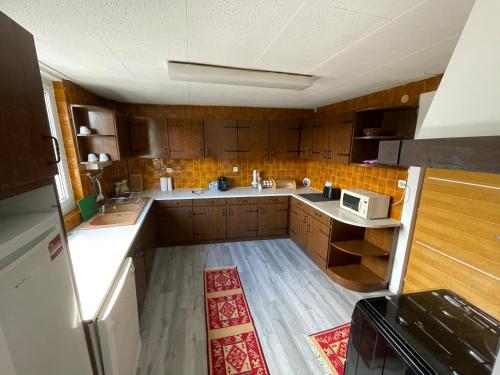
(169, 183)
(164, 183)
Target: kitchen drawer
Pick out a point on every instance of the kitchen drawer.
(320, 216)
(209, 202)
(176, 203)
(249, 200)
(299, 204)
(273, 200)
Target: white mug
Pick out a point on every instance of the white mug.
(92, 158)
(84, 130)
(103, 157)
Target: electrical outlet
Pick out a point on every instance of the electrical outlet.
(170, 170)
(401, 184)
(235, 169)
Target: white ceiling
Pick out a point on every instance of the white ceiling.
(119, 48)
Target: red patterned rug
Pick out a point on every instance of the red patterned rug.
(233, 345)
(330, 347)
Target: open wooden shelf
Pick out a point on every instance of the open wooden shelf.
(360, 248)
(356, 277)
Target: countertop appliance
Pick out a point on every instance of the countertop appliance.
(40, 327)
(431, 332)
(331, 192)
(364, 203)
(222, 183)
(255, 179)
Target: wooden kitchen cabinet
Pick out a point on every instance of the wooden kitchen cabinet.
(242, 220)
(273, 217)
(332, 137)
(306, 139)
(284, 139)
(146, 139)
(183, 139)
(310, 229)
(209, 219)
(28, 157)
(253, 139)
(221, 139)
(175, 222)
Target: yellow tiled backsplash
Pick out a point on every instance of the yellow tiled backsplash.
(199, 172)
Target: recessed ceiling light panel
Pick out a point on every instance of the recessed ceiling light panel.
(182, 71)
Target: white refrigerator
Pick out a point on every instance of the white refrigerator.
(41, 331)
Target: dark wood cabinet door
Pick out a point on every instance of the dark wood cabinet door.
(175, 225)
(253, 139)
(185, 138)
(306, 139)
(221, 139)
(321, 140)
(298, 226)
(318, 238)
(284, 139)
(28, 154)
(341, 135)
(141, 282)
(273, 220)
(209, 222)
(146, 139)
(242, 221)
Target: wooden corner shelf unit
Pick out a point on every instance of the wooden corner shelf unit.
(109, 133)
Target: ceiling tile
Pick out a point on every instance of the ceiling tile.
(144, 49)
(316, 32)
(153, 18)
(381, 8)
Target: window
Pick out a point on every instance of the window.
(63, 183)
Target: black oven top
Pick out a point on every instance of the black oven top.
(448, 333)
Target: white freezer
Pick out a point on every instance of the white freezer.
(40, 328)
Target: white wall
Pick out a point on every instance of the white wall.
(467, 102)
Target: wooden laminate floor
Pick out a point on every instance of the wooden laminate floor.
(288, 295)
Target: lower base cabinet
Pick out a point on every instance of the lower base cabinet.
(219, 219)
(311, 231)
(142, 253)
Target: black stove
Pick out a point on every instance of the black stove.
(434, 332)
(315, 197)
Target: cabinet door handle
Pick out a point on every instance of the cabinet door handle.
(56, 146)
(230, 211)
(321, 231)
(224, 213)
(305, 219)
(252, 211)
(308, 227)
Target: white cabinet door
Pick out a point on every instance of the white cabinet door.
(118, 325)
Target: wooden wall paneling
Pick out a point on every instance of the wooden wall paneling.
(253, 139)
(221, 139)
(284, 136)
(457, 237)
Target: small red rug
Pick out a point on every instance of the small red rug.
(330, 347)
(233, 345)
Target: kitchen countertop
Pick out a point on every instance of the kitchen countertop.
(98, 254)
(331, 208)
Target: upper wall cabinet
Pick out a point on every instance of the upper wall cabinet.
(328, 138)
(284, 139)
(28, 158)
(146, 139)
(108, 132)
(184, 139)
(221, 139)
(375, 125)
(253, 139)
(306, 139)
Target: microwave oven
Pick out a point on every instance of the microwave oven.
(364, 203)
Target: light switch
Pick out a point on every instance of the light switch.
(235, 169)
